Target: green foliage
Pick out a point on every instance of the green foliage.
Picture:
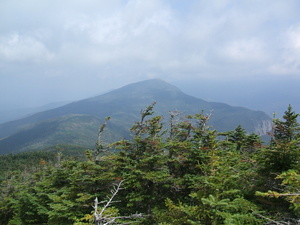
(57, 195)
(287, 130)
(284, 150)
(141, 163)
(291, 190)
(184, 175)
(279, 167)
(241, 140)
(23, 161)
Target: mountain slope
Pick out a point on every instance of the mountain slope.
(14, 114)
(78, 122)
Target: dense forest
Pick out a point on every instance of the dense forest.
(175, 170)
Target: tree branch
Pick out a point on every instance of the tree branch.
(100, 219)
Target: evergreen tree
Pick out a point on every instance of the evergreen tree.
(211, 180)
(279, 167)
(185, 176)
(142, 164)
(284, 150)
(287, 130)
(241, 140)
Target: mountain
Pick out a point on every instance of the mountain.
(17, 113)
(271, 96)
(78, 122)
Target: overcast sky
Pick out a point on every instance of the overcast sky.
(57, 50)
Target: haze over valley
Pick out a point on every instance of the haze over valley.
(240, 54)
(236, 52)
(149, 112)
(77, 122)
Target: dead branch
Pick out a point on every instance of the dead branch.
(270, 220)
(101, 219)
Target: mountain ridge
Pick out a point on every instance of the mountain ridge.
(123, 105)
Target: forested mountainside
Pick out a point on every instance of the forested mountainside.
(77, 123)
(183, 173)
(15, 113)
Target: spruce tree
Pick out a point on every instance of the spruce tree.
(288, 129)
(284, 152)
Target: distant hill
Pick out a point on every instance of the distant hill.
(18, 113)
(78, 122)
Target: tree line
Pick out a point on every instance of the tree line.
(172, 171)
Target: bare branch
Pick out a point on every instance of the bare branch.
(100, 219)
(268, 219)
(100, 131)
(114, 192)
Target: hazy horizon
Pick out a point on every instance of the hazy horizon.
(243, 53)
(248, 100)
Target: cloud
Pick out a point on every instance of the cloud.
(18, 48)
(245, 50)
(93, 33)
(138, 31)
(120, 41)
(290, 58)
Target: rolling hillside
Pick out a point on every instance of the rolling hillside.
(78, 122)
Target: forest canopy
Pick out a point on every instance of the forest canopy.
(176, 170)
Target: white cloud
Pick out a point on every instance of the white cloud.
(18, 48)
(141, 31)
(210, 34)
(133, 39)
(134, 19)
(290, 58)
(245, 50)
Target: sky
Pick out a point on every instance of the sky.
(65, 50)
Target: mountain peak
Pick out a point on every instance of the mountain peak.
(123, 105)
(149, 85)
(152, 89)
(153, 83)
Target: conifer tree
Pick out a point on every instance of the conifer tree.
(141, 162)
(284, 150)
(279, 166)
(287, 130)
